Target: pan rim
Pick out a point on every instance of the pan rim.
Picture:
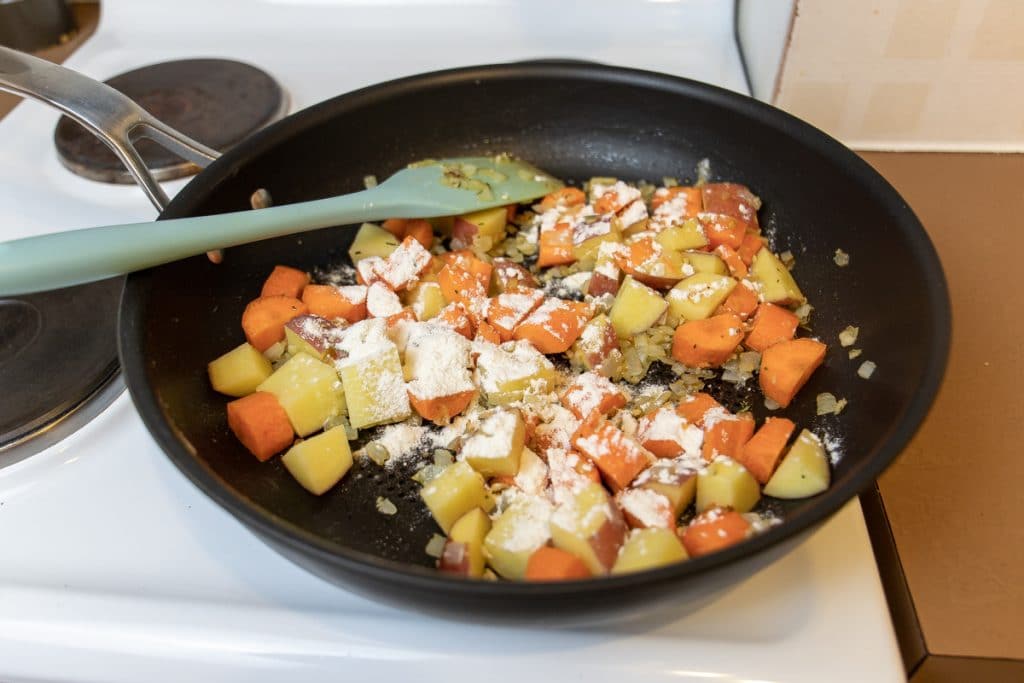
(131, 332)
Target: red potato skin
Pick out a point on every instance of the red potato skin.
(602, 284)
(463, 232)
(454, 558)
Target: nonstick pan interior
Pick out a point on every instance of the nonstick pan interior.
(575, 121)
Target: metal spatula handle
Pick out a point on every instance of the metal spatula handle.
(107, 113)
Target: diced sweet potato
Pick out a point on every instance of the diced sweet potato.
(553, 564)
(707, 343)
(772, 324)
(619, 458)
(650, 263)
(737, 268)
(421, 231)
(566, 196)
(328, 301)
(741, 302)
(507, 310)
(695, 406)
(458, 285)
(727, 435)
(285, 281)
(396, 226)
(261, 424)
(441, 409)
(406, 315)
(752, 243)
(264, 319)
(713, 530)
(786, 367)
(721, 229)
(592, 393)
(555, 325)
(688, 197)
(403, 266)
(555, 246)
(762, 453)
(488, 333)
(666, 433)
(455, 316)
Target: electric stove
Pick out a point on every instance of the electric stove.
(115, 568)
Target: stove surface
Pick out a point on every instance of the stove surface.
(115, 568)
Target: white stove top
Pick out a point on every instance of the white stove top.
(88, 590)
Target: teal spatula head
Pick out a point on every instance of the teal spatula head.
(426, 189)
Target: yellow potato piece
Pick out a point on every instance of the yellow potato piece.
(505, 373)
(308, 390)
(777, 284)
(375, 389)
(590, 527)
(426, 300)
(515, 535)
(726, 483)
(689, 235)
(320, 462)
(803, 472)
(372, 240)
(495, 448)
(697, 297)
(637, 307)
(470, 530)
(455, 492)
(239, 371)
(705, 263)
(648, 549)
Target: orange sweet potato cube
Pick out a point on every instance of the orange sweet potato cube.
(619, 458)
(592, 393)
(714, 529)
(707, 343)
(762, 453)
(554, 325)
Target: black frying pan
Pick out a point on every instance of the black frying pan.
(576, 121)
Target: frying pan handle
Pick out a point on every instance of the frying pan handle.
(107, 113)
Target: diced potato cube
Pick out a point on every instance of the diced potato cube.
(464, 551)
(637, 307)
(590, 527)
(698, 296)
(598, 344)
(726, 483)
(481, 228)
(308, 390)
(375, 389)
(320, 462)
(804, 470)
(516, 534)
(296, 344)
(455, 492)
(495, 447)
(777, 284)
(426, 300)
(586, 251)
(703, 262)
(674, 479)
(689, 235)
(648, 549)
(239, 371)
(372, 240)
(505, 373)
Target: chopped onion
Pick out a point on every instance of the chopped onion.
(276, 351)
(848, 337)
(443, 457)
(854, 353)
(435, 546)
(841, 258)
(829, 405)
(770, 404)
(703, 171)
(369, 181)
(866, 369)
(787, 259)
(803, 312)
(749, 361)
(385, 506)
(377, 452)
